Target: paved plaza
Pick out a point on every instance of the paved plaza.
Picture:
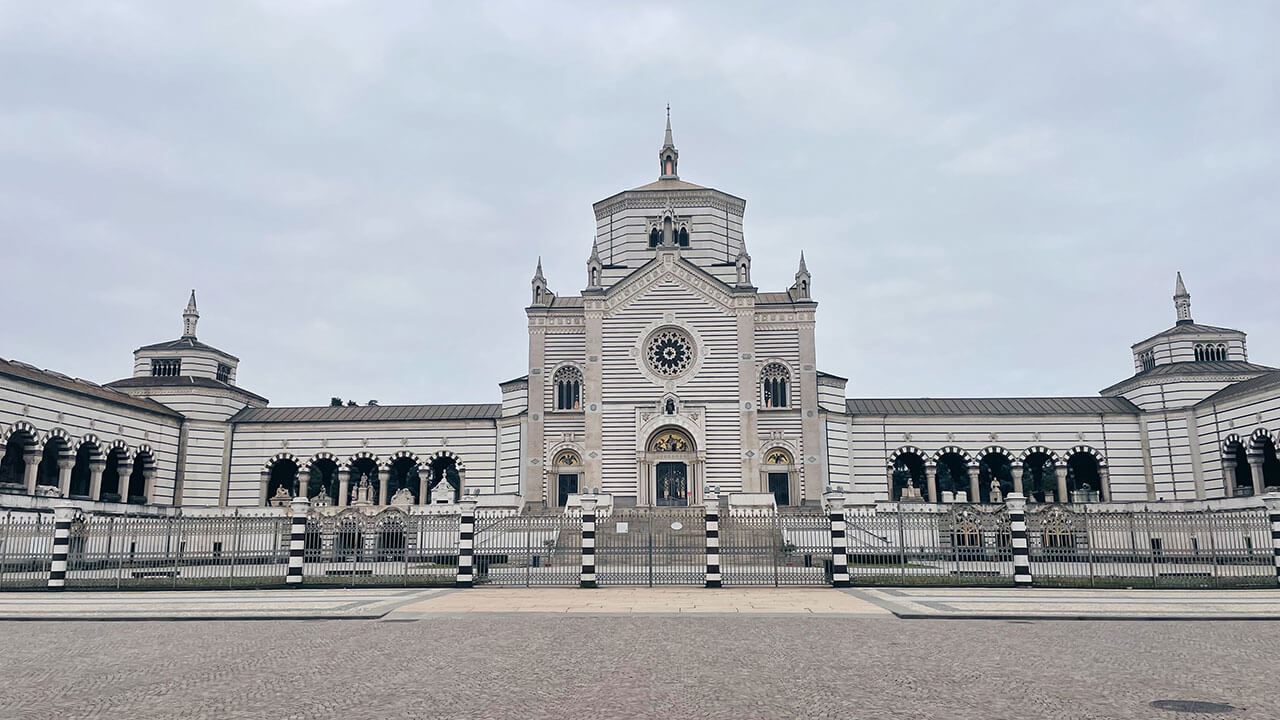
(655, 665)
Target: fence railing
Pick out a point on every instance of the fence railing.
(903, 544)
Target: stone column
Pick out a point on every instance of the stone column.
(972, 472)
(931, 479)
(384, 476)
(264, 481)
(1016, 472)
(1016, 504)
(712, 507)
(424, 479)
(466, 544)
(1229, 475)
(149, 484)
(62, 517)
(587, 577)
(297, 539)
(1060, 472)
(96, 468)
(839, 541)
(31, 457)
(1104, 479)
(65, 463)
(1255, 469)
(344, 486)
(1272, 503)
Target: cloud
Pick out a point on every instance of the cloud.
(1014, 154)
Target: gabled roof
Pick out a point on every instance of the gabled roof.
(1188, 328)
(1261, 383)
(670, 185)
(368, 413)
(182, 381)
(1209, 369)
(991, 406)
(186, 343)
(24, 371)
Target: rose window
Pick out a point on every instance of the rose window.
(669, 352)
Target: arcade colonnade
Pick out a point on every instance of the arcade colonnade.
(1247, 460)
(54, 463)
(363, 478)
(1079, 474)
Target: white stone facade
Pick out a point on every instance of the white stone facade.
(667, 375)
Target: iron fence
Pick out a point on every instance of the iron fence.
(652, 546)
(531, 549)
(906, 544)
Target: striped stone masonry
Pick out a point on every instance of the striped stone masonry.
(588, 576)
(1272, 502)
(1016, 503)
(839, 541)
(713, 543)
(299, 506)
(466, 544)
(62, 517)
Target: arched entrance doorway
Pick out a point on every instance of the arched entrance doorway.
(673, 458)
(567, 470)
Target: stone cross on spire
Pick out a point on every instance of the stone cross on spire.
(1182, 302)
(189, 318)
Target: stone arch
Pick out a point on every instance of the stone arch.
(1001, 472)
(564, 472)
(440, 463)
(1237, 475)
(22, 426)
(57, 434)
(89, 439)
(403, 472)
(89, 454)
(277, 475)
(1259, 438)
(271, 461)
(1087, 450)
(399, 455)
(143, 476)
(953, 450)
(55, 451)
(904, 450)
(322, 455)
(1086, 468)
(319, 482)
(776, 381)
(1038, 449)
(361, 455)
(119, 458)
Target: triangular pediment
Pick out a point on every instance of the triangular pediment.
(670, 267)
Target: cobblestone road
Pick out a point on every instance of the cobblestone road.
(659, 666)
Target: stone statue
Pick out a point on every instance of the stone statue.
(402, 497)
(362, 493)
(996, 495)
(281, 498)
(442, 493)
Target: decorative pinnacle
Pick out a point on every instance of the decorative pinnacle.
(1182, 301)
(189, 317)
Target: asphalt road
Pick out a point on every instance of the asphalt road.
(507, 665)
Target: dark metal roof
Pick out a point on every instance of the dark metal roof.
(774, 298)
(32, 373)
(187, 343)
(148, 381)
(368, 413)
(566, 301)
(1266, 381)
(1224, 367)
(1189, 328)
(991, 406)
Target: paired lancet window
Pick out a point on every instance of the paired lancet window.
(1148, 360)
(568, 382)
(1209, 352)
(166, 367)
(774, 381)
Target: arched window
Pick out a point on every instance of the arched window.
(774, 379)
(1148, 360)
(778, 474)
(655, 237)
(683, 238)
(1221, 352)
(568, 382)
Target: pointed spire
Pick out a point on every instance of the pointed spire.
(189, 318)
(541, 293)
(537, 275)
(668, 156)
(800, 291)
(803, 268)
(1182, 302)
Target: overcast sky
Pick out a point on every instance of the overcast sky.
(993, 198)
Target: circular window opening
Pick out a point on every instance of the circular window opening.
(669, 352)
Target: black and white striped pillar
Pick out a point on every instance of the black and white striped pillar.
(588, 577)
(62, 517)
(466, 544)
(713, 542)
(299, 506)
(1016, 504)
(839, 541)
(1272, 502)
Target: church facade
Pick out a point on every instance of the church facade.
(669, 377)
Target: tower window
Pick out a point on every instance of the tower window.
(682, 239)
(774, 379)
(1147, 359)
(655, 237)
(167, 367)
(568, 382)
(224, 373)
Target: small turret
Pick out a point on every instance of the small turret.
(541, 293)
(800, 291)
(668, 156)
(1182, 302)
(743, 263)
(190, 317)
(595, 269)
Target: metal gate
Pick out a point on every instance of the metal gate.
(529, 550)
(390, 548)
(652, 546)
(793, 548)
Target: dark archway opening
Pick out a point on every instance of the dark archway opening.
(13, 466)
(953, 475)
(996, 467)
(322, 479)
(47, 474)
(143, 466)
(1084, 478)
(1038, 479)
(404, 476)
(111, 476)
(361, 468)
(284, 474)
(80, 473)
(446, 468)
(908, 469)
